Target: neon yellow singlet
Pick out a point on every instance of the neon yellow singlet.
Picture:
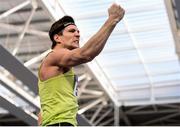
(58, 99)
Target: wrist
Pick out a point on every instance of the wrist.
(113, 21)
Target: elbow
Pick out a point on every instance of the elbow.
(88, 55)
(87, 58)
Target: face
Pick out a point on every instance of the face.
(70, 37)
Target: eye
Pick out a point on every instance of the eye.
(72, 30)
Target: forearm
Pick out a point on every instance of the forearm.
(96, 43)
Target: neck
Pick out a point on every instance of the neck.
(58, 46)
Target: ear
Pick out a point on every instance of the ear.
(57, 38)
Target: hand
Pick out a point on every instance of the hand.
(116, 12)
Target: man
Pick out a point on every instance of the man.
(57, 81)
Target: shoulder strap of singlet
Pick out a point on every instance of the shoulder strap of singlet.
(48, 52)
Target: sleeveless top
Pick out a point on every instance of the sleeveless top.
(58, 99)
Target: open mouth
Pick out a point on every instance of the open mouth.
(77, 41)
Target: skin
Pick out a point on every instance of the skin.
(58, 61)
(67, 52)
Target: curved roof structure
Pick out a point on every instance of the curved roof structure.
(137, 73)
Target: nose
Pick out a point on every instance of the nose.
(77, 34)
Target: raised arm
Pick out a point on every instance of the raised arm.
(95, 44)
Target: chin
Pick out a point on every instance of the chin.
(75, 47)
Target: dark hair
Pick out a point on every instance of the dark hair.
(58, 26)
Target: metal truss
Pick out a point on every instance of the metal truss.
(16, 86)
(174, 28)
(97, 101)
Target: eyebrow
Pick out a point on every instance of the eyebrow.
(73, 29)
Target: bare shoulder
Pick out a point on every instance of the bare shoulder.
(55, 56)
(50, 67)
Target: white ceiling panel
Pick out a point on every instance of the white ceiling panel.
(140, 51)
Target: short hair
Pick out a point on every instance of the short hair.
(58, 26)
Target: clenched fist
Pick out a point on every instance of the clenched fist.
(116, 12)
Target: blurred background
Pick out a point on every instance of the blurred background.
(134, 81)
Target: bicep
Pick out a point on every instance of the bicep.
(71, 58)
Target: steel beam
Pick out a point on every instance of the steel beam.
(21, 36)
(173, 25)
(161, 119)
(103, 116)
(15, 67)
(82, 121)
(124, 117)
(10, 63)
(18, 91)
(28, 118)
(116, 116)
(149, 112)
(92, 104)
(100, 107)
(36, 59)
(14, 9)
(105, 123)
(19, 29)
